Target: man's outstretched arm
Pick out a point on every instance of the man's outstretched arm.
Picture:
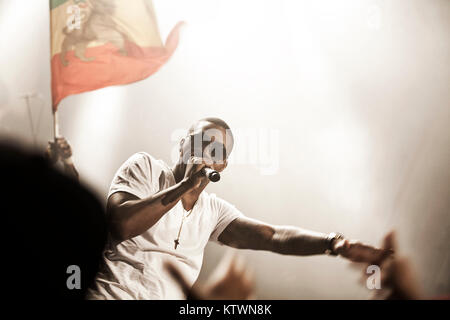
(246, 233)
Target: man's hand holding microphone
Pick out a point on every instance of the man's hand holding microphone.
(198, 161)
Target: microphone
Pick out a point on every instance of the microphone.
(212, 175)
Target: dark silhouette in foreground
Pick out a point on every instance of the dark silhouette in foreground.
(51, 223)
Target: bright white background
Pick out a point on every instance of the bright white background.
(357, 90)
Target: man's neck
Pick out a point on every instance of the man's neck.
(189, 199)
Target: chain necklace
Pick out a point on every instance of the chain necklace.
(177, 240)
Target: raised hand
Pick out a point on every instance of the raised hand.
(398, 279)
(58, 150)
(231, 280)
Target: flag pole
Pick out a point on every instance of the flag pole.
(56, 133)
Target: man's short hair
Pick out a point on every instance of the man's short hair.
(218, 123)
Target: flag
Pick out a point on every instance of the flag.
(100, 43)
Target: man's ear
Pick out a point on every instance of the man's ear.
(181, 145)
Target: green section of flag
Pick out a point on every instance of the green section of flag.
(56, 3)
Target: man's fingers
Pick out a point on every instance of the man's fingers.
(193, 167)
(359, 252)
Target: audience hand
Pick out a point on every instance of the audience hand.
(398, 280)
(230, 281)
(58, 150)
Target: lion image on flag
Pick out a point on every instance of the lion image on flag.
(100, 43)
(98, 25)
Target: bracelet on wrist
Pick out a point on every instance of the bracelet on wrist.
(331, 240)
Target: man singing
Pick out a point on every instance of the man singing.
(161, 215)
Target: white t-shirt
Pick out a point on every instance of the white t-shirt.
(134, 268)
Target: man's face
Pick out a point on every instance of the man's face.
(209, 143)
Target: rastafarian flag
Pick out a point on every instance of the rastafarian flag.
(100, 43)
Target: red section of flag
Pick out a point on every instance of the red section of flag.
(109, 67)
